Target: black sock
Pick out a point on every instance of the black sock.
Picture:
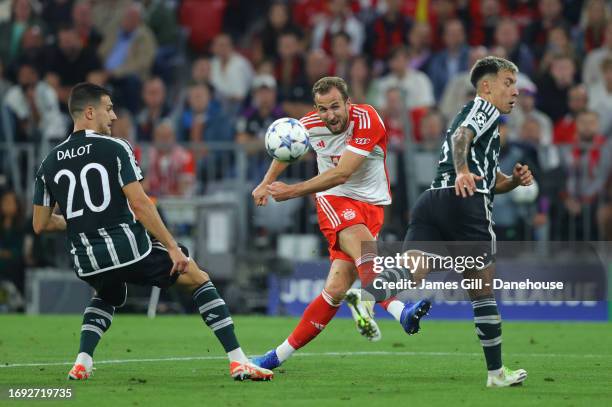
(97, 318)
(216, 315)
(488, 329)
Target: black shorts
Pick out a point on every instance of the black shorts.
(462, 226)
(152, 270)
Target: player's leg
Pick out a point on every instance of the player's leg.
(476, 226)
(216, 316)
(97, 319)
(350, 240)
(489, 329)
(316, 316)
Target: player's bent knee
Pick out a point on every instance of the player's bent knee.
(336, 290)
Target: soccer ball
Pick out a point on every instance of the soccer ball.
(525, 195)
(287, 140)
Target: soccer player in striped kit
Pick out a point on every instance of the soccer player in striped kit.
(352, 188)
(94, 179)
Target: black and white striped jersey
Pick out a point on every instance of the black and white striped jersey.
(85, 175)
(481, 117)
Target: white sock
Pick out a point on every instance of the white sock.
(84, 359)
(237, 355)
(495, 372)
(284, 351)
(395, 308)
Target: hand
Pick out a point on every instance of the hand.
(280, 191)
(260, 195)
(465, 184)
(180, 262)
(521, 175)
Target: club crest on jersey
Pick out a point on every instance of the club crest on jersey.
(348, 214)
(480, 119)
(321, 144)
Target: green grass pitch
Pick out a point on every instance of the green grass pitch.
(176, 361)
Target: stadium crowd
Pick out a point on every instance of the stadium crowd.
(188, 73)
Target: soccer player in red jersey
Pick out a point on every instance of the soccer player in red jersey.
(351, 189)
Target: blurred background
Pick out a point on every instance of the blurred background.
(196, 83)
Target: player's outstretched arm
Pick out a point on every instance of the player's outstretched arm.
(348, 164)
(521, 175)
(465, 182)
(44, 220)
(147, 214)
(260, 193)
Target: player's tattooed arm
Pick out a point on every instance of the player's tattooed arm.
(461, 140)
(465, 182)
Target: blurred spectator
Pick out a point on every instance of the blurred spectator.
(107, 14)
(558, 42)
(600, 98)
(591, 32)
(341, 55)
(127, 54)
(278, 21)
(154, 111)
(507, 35)
(419, 46)
(170, 168)
(11, 32)
(580, 164)
(360, 81)
(551, 16)
(230, 74)
(565, 128)
(451, 60)
(12, 233)
(459, 89)
(432, 130)
(81, 17)
(591, 71)
(438, 14)
(255, 120)
(35, 106)
(416, 87)
(289, 67)
(68, 63)
(32, 51)
(510, 217)
(526, 107)
(484, 22)
(299, 100)
(200, 71)
(387, 31)
(553, 86)
(252, 124)
(160, 17)
(124, 128)
(56, 13)
(202, 119)
(339, 18)
(396, 119)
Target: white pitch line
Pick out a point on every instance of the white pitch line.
(306, 354)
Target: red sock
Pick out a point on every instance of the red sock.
(365, 268)
(316, 316)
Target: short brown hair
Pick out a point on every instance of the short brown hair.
(327, 83)
(84, 94)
